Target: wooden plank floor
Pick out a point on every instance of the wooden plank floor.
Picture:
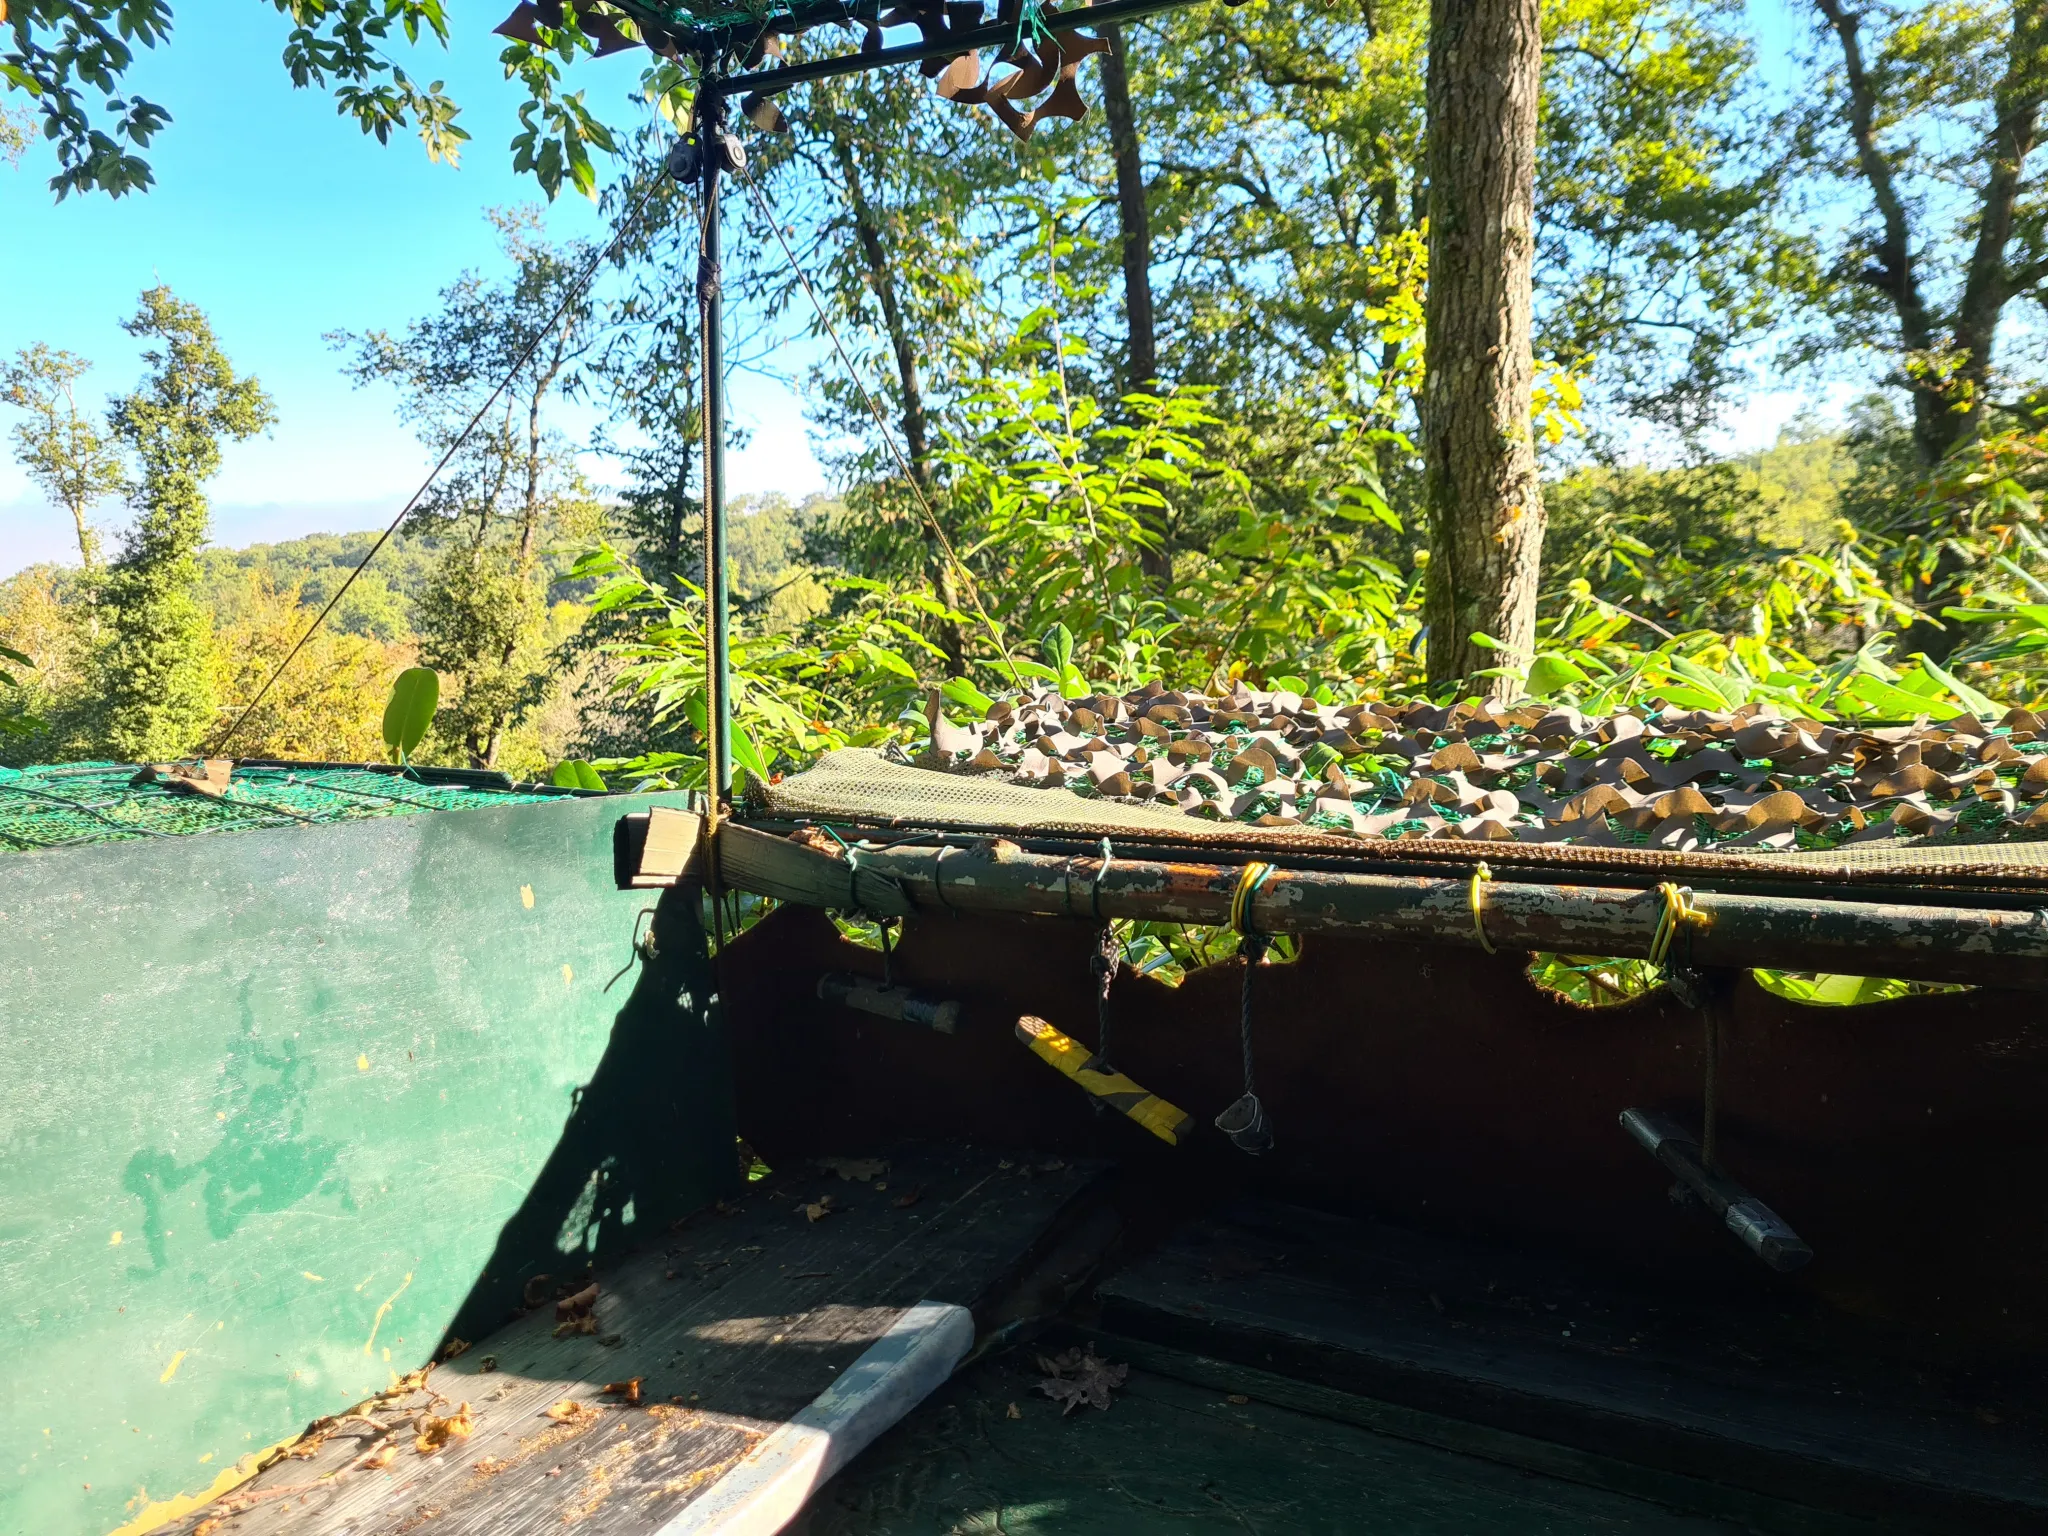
(733, 1324)
(1775, 1400)
(1169, 1459)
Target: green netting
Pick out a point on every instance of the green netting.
(70, 805)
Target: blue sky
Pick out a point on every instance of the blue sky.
(284, 222)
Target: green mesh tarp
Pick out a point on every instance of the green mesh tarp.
(70, 804)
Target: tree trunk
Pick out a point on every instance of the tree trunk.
(1134, 228)
(882, 278)
(1946, 376)
(2015, 133)
(1484, 504)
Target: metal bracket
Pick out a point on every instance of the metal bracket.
(1762, 1230)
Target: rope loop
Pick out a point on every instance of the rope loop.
(1481, 875)
(1678, 912)
(1249, 879)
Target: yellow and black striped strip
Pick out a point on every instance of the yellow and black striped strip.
(1072, 1059)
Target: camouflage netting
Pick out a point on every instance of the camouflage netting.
(73, 804)
(1684, 791)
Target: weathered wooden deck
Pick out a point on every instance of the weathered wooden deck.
(730, 1326)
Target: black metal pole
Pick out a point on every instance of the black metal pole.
(994, 35)
(711, 139)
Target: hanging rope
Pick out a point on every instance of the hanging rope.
(1104, 964)
(1108, 958)
(1477, 901)
(219, 748)
(1244, 1122)
(881, 425)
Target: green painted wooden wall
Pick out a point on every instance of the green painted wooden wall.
(278, 1108)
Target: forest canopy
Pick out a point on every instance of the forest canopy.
(1153, 381)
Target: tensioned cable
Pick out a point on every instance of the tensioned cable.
(533, 344)
(881, 425)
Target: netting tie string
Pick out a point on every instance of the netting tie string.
(1476, 899)
(1249, 879)
(1678, 912)
(1095, 890)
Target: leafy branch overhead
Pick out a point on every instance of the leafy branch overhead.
(63, 52)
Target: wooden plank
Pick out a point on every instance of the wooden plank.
(733, 1326)
(655, 848)
(1982, 946)
(1544, 1458)
(1735, 1393)
(987, 1454)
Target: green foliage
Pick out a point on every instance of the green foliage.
(512, 493)
(1844, 991)
(15, 720)
(575, 773)
(409, 715)
(67, 455)
(847, 681)
(155, 696)
(61, 51)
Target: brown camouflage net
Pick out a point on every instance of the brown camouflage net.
(1657, 779)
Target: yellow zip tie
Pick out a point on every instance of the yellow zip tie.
(1249, 879)
(1678, 908)
(1480, 875)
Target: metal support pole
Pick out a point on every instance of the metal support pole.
(710, 127)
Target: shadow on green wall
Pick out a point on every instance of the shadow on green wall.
(649, 1139)
(264, 1160)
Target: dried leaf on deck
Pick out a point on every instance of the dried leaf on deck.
(908, 1198)
(1078, 1377)
(571, 1410)
(578, 1304)
(627, 1391)
(436, 1432)
(820, 1208)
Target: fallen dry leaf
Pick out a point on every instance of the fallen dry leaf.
(1013, 1412)
(455, 1347)
(1237, 1398)
(576, 1305)
(628, 1391)
(909, 1197)
(437, 1432)
(576, 1325)
(380, 1457)
(570, 1411)
(1078, 1377)
(488, 1364)
(491, 1466)
(819, 1209)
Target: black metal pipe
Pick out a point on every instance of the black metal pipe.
(709, 122)
(996, 34)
